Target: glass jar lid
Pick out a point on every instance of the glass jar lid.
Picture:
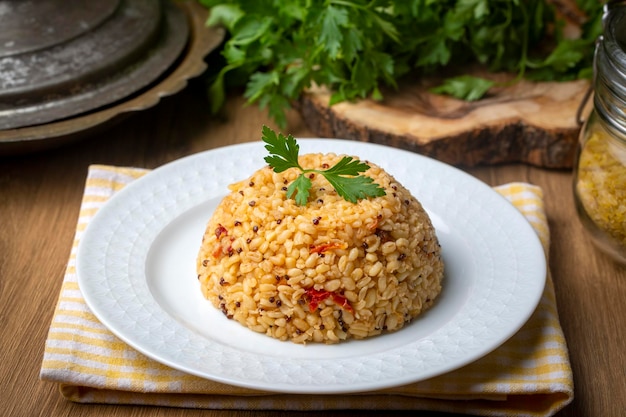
(610, 69)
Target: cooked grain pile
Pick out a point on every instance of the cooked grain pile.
(325, 272)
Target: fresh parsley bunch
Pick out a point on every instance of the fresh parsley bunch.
(277, 49)
(344, 176)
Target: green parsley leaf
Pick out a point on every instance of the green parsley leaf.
(347, 166)
(331, 37)
(465, 87)
(356, 188)
(343, 176)
(283, 150)
(300, 187)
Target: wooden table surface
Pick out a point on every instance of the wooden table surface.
(40, 194)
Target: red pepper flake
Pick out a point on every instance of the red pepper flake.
(342, 302)
(326, 247)
(220, 230)
(316, 297)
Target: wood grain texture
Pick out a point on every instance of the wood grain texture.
(529, 122)
(40, 196)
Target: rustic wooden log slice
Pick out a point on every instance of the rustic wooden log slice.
(529, 122)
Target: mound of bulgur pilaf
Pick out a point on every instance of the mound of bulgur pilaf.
(325, 272)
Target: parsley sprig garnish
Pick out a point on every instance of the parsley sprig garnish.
(344, 176)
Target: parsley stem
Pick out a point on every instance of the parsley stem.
(524, 54)
(523, 60)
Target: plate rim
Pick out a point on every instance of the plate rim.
(290, 388)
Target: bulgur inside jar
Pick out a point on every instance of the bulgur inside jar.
(600, 189)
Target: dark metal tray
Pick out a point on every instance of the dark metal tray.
(190, 63)
(126, 51)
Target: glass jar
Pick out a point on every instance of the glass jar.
(600, 167)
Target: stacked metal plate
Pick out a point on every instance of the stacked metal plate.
(63, 60)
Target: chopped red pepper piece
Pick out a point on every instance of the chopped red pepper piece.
(220, 230)
(343, 302)
(315, 297)
(325, 247)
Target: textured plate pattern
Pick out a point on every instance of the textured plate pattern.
(136, 269)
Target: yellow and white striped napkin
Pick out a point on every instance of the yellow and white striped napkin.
(529, 375)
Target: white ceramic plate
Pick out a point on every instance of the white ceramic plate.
(136, 270)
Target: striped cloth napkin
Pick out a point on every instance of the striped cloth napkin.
(529, 375)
